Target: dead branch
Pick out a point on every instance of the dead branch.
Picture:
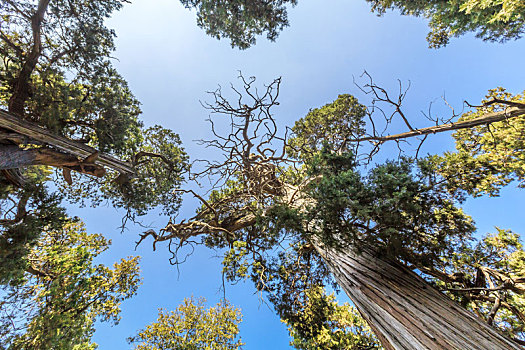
(384, 109)
(485, 119)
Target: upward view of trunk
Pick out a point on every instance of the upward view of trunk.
(404, 311)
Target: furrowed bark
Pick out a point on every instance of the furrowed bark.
(406, 312)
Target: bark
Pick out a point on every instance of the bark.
(14, 157)
(21, 89)
(36, 133)
(404, 311)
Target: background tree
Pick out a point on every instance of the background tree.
(491, 155)
(57, 83)
(242, 21)
(321, 323)
(26, 213)
(56, 72)
(63, 292)
(487, 278)
(370, 229)
(192, 326)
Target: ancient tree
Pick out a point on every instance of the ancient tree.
(291, 209)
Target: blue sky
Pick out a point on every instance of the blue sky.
(170, 64)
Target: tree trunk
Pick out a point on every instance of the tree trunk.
(36, 133)
(14, 157)
(404, 311)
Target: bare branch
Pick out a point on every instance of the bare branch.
(486, 119)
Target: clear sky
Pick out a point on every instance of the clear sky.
(170, 64)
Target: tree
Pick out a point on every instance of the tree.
(26, 213)
(56, 72)
(68, 108)
(63, 292)
(192, 326)
(371, 231)
(491, 20)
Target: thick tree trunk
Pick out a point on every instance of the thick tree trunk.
(38, 134)
(406, 312)
(14, 157)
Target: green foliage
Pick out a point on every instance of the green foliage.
(491, 20)
(235, 262)
(69, 86)
(406, 210)
(98, 109)
(335, 124)
(292, 282)
(25, 212)
(397, 208)
(63, 292)
(321, 323)
(159, 167)
(192, 326)
(490, 273)
(241, 20)
(487, 157)
(75, 91)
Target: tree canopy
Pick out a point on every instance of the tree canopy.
(241, 21)
(56, 73)
(63, 292)
(490, 20)
(281, 204)
(192, 326)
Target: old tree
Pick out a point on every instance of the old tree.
(69, 109)
(293, 210)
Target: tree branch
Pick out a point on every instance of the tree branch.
(486, 119)
(21, 87)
